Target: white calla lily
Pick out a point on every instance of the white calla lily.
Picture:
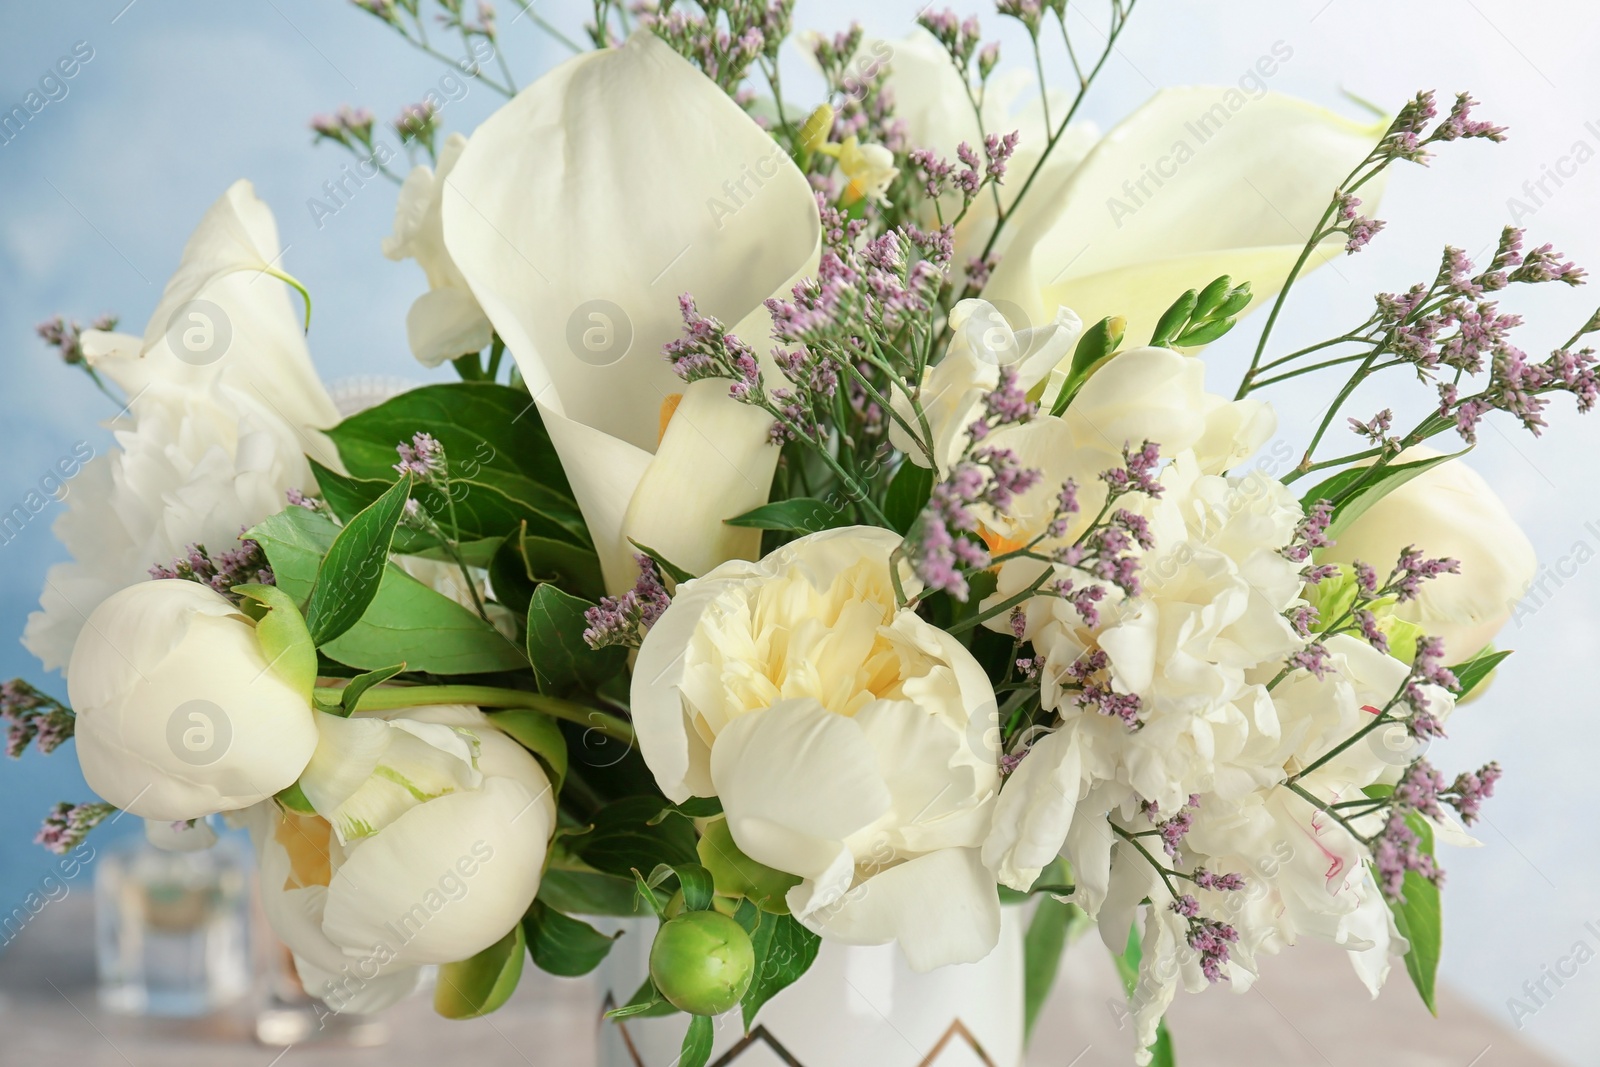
(578, 214)
(852, 743)
(455, 820)
(1199, 182)
(1447, 511)
(179, 713)
(446, 321)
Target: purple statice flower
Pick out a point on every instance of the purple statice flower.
(68, 824)
(1419, 789)
(1303, 618)
(423, 458)
(1459, 123)
(67, 337)
(1225, 883)
(708, 350)
(981, 268)
(1376, 429)
(1471, 789)
(1366, 578)
(297, 499)
(1412, 569)
(624, 620)
(1173, 830)
(1212, 939)
(1005, 405)
(1360, 231)
(1310, 533)
(1313, 658)
(1138, 473)
(1545, 264)
(1397, 850)
(1367, 622)
(33, 716)
(959, 36)
(1027, 12)
(1091, 674)
(244, 565)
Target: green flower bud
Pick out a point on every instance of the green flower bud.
(1204, 333)
(1094, 347)
(737, 875)
(1212, 296)
(1235, 303)
(702, 962)
(1175, 318)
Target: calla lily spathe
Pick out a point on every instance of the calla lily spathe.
(1199, 182)
(578, 214)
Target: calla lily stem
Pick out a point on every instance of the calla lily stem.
(488, 697)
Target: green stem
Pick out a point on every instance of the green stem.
(391, 698)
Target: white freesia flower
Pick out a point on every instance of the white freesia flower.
(578, 214)
(213, 435)
(868, 169)
(179, 713)
(1449, 511)
(446, 321)
(427, 848)
(953, 389)
(1197, 183)
(852, 743)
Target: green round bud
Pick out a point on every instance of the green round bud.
(737, 875)
(702, 962)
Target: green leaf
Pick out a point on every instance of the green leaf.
(502, 467)
(647, 1003)
(694, 880)
(522, 562)
(350, 573)
(669, 568)
(1421, 920)
(562, 660)
(538, 734)
(281, 632)
(560, 944)
(784, 951)
(591, 893)
(294, 798)
(695, 808)
(477, 986)
(1476, 670)
(1042, 947)
(802, 514)
(697, 1042)
(407, 620)
(350, 696)
(621, 842)
(1351, 503)
(907, 496)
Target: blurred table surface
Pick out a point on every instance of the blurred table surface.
(1308, 1009)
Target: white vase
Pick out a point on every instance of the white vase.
(855, 1007)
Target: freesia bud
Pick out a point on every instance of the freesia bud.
(180, 714)
(814, 131)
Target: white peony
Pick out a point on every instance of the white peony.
(213, 435)
(179, 713)
(446, 321)
(426, 847)
(852, 743)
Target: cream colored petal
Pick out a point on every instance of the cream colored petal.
(1035, 810)
(445, 324)
(346, 991)
(714, 463)
(942, 908)
(795, 781)
(615, 183)
(604, 473)
(1201, 181)
(445, 880)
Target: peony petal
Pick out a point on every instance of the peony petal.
(1248, 180)
(795, 781)
(942, 908)
(445, 880)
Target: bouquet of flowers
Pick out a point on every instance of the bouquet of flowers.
(850, 548)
